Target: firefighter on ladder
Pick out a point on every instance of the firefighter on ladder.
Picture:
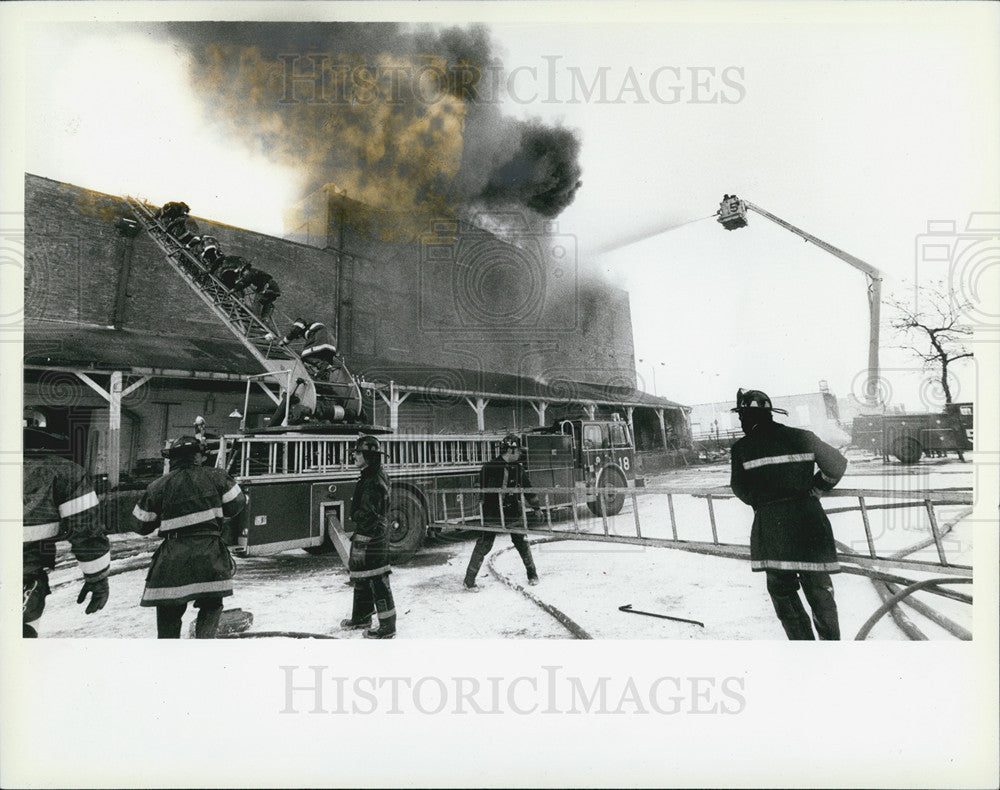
(320, 356)
(168, 212)
(368, 562)
(267, 291)
(193, 563)
(210, 254)
(791, 540)
(59, 504)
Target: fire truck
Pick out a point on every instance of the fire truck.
(299, 480)
(909, 436)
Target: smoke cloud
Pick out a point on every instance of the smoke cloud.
(399, 118)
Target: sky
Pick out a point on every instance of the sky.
(858, 124)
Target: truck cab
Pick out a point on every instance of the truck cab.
(598, 455)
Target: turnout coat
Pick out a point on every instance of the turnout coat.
(774, 470)
(187, 506)
(320, 353)
(60, 504)
(370, 540)
(497, 473)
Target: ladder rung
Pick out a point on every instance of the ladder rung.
(237, 314)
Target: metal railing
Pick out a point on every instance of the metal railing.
(287, 456)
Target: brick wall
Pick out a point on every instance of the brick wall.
(74, 268)
(530, 312)
(461, 296)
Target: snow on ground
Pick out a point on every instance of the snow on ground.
(587, 581)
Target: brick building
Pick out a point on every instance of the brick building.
(473, 332)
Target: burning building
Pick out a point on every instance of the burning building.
(456, 329)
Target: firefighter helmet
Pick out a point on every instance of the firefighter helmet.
(367, 444)
(510, 442)
(182, 447)
(754, 399)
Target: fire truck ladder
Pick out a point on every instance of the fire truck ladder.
(230, 309)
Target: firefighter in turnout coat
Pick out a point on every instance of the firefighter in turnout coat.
(774, 471)
(193, 563)
(320, 355)
(265, 287)
(504, 471)
(369, 558)
(59, 504)
(168, 212)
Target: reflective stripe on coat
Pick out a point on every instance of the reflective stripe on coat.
(60, 504)
(187, 506)
(775, 470)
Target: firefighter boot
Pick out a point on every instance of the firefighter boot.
(206, 626)
(529, 563)
(386, 609)
(386, 627)
(783, 587)
(363, 606)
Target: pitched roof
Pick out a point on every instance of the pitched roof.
(445, 380)
(71, 345)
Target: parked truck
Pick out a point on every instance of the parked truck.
(909, 437)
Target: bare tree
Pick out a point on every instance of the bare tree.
(938, 317)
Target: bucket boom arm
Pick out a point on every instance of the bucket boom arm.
(733, 214)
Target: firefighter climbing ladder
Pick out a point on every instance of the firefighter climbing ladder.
(230, 309)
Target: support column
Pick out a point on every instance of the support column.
(479, 407)
(663, 427)
(540, 408)
(393, 401)
(114, 428)
(629, 411)
(113, 396)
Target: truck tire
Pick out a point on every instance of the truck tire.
(907, 450)
(407, 525)
(610, 483)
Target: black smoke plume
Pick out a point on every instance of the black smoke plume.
(403, 143)
(543, 174)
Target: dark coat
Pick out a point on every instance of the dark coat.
(328, 368)
(188, 506)
(369, 514)
(492, 476)
(60, 504)
(774, 470)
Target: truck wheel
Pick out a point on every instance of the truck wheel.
(907, 450)
(407, 525)
(610, 483)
